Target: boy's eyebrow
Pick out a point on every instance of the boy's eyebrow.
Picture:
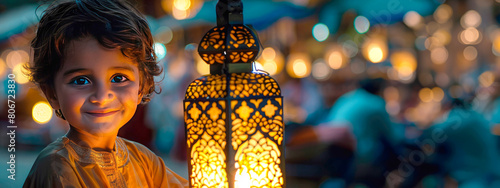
(71, 71)
(124, 68)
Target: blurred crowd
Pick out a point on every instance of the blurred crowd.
(361, 142)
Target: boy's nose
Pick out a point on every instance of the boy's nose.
(102, 94)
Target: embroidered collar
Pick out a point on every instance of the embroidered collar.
(105, 159)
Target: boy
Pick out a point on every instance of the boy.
(94, 61)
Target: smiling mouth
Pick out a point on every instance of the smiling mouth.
(102, 114)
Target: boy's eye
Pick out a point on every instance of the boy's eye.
(119, 79)
(80, 81)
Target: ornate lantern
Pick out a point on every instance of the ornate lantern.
(233, 117)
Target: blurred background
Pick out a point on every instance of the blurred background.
(378, 93)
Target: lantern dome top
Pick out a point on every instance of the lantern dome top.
(230, 42)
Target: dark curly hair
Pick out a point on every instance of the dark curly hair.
(115, 24)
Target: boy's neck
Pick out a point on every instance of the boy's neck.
(103, 142)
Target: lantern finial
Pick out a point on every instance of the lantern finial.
(229, 12)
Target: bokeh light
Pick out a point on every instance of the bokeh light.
(164, 35)
(496, 45)
(486, 79)
(439, 55)
(375, 50)
(320, 32)
(413, 19)
(405, 63)
(336, 58)
(470, 53)
(299, 65)
(16, 57)
(443, 13)
(470, 19)
(272, 61)
(320, 70)
(442, 37)
(3, 68)
(425, 95)
(160, 50)
(268, 53)
(470, 36)
(361, 24)
(437, 94)
(42, 112)
(19, 71)
(201, 66)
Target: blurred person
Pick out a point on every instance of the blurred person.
(464, 147)
(365, 112)
(94, 62)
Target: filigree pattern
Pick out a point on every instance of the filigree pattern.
(211, 121)
(208, 164)
(261, 158)
(240, 35)
(214, 38)
(240, 46)
(248, 84)
(246, 122)
(206, 87)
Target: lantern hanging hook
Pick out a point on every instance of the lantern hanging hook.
(229, 12)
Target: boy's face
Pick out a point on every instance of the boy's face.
(97, 89)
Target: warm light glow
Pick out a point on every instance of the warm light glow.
(442, 36)
(320, 32)
(375, 54)
(19, 71)
(300, 68)
(439, 55)
(404, 63)
(320, 70)
(375, 50)
(496, 45)
(486, 79)
(470, 36)
(413, 19)
(299, 65)
(16, 57)
(361, 24)
(3, 68)
(268, 53)
(425, 95)
(202, 67)
(335, 60)
(470, 53)
(437, 94)
(470, 19)
(182, 4)
(270, 67)
(272, 61)
(443, 13)
(180, 14)
(42, 112)
(242, 179)
(181, 9)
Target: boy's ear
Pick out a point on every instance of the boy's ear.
(140, 99)
(51, 96)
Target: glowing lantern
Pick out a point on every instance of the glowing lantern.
(233, 117)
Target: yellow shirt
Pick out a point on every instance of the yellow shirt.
(64, 163)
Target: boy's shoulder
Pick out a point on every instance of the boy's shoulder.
(54, 150)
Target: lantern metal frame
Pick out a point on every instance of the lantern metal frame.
(233, 117)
